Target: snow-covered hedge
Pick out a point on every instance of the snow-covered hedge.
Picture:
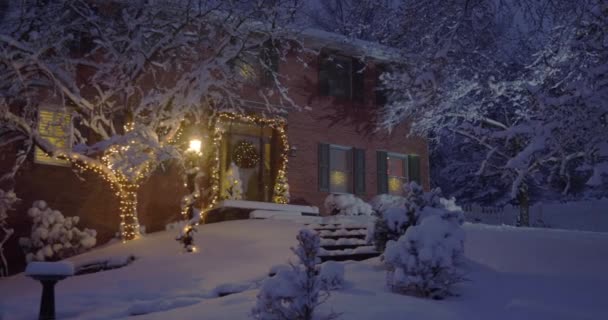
(394, 221)
(54, 236)
(426, 260)
(295, 292)
(383, 202)
(347, 204)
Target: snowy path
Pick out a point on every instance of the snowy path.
(515, 274)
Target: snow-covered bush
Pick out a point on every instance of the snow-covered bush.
(294, 293)
(383, 202)
(54, 236)
(426, 260)
(7, 200)
(331, 274)
(393, 222)
(347, 204)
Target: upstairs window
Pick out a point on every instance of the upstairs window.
(269, 57)
(56, 127)
(341, 77)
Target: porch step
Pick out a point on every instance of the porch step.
(343, 242)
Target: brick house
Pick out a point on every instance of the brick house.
(331, 147)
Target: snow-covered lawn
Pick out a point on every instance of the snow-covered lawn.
(514, 274)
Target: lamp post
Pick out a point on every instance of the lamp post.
(192, 168)
(192, 160)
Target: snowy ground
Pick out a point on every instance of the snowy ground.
(514, 274)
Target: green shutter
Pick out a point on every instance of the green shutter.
(359, 170)
(358, 74)
(324, 74)
(414, 168)
(381, 165)
(323, 164)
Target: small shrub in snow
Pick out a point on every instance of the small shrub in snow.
(295, 293)
(331, 274)
(426, 260)
(54, 236)
(347, 204)
(383, 202)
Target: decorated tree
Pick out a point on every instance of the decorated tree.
(128, 75)
(233, 188)
(281, 188)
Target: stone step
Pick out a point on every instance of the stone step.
(358, 236)
(350, 257)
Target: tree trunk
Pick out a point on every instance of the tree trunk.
(523, 220)
(129, 225)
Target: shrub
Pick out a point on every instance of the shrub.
(294, 293)
(383, 202)
(347, 204)
(393, 222)
(53, 236)
(426, 260)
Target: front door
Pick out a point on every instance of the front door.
(249, 147)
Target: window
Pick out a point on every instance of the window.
(341, 77)
(56, 127)
(396, 170)
(341, 169)
(270, 59)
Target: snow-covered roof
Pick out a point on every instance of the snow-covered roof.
(320, 39)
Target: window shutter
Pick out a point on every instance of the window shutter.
(323, 164)
(358, 92)
(359, 170)
(324, 74)
(382, 172)
(414, 168)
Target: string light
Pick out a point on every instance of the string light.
(281, 188)
(124, 186)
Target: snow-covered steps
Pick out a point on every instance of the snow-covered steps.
(342, 242)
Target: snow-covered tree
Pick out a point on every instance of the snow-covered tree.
(347, 204)
(511, 94)
(54, 237)
(427, 260)
(7, 200)
(130, 74)
(233, 188)
(294, 293)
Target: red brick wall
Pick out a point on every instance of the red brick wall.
(88, 196)
(341, 123)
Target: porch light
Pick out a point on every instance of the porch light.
(195, 146)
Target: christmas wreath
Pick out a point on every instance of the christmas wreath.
(245, 155)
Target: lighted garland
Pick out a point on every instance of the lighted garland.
(281, 181)
(124, 188)
(245, 155)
